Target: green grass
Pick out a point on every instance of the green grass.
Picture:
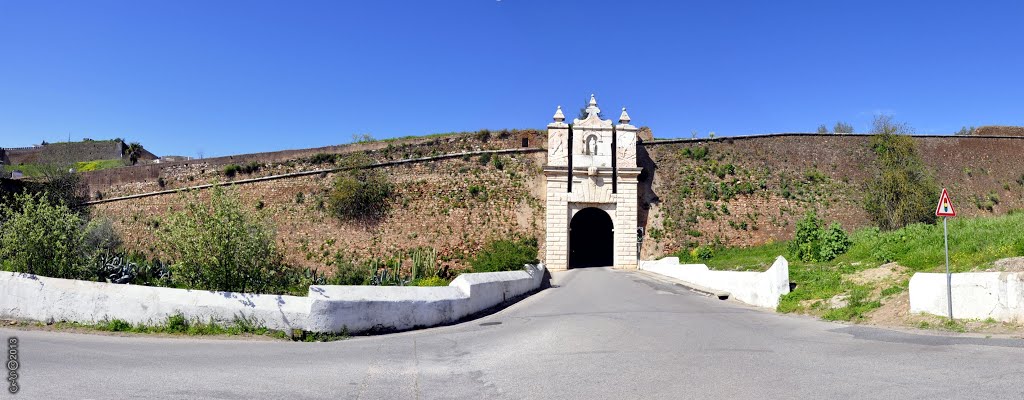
(179, 325)
(29, 170)
(974, 243)
(97, 165)
(40, 170)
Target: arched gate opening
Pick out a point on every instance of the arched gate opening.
(591, 239)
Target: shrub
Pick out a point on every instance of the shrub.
(323, 158)
(99, 235)
(806, 243)
(230, 170)
(812, 243)
(834, 243)
(40, 237)
(485, 158)
(902, 192)
(505, 255)
(842, 127)
(702, 253)
(499, 164)
(349, 272)
(220, 245)
(360, 195)
(695, 153)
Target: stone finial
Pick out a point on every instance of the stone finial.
(592, 106)
(559, 117)
(624, 118)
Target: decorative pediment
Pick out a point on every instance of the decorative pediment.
(592, 120)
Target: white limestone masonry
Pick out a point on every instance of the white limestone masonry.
(976, 295)
(325, 309)
(762, 289)
(592, 175)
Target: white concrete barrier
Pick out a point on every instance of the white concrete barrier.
(26, 296)
(762, 289)
(976, 295)
(363, 308)
(325, 309)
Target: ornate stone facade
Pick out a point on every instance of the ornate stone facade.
(591, 164)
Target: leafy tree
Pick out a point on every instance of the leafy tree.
(965, 131)
(38, 236)
(822, 128)
(902, 191)
(842, 127)
(220, 245)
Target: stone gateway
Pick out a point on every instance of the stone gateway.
(591, 192)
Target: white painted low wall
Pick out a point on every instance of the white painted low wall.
(976, 295)
(762, 289)
(26, 296)
(362, 308)
(325, 309)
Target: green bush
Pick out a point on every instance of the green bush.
(505, 255)
(834, 243)
(230, 170)
(902, 192)
(220, 245)
(40, 237)
(349, 272)
(360, 195)
(812, 243)
(323, 158)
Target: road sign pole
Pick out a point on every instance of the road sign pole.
(949, 277)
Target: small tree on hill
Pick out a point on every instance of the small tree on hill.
(842, 127)
(902, 191)
(133, 151)
(965, 131)
(822, 128)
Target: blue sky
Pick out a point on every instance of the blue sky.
(228, 77)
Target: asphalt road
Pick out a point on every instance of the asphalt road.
(599, 334)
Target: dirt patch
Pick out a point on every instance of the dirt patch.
(884, 273)
(893, 312)
(1012, 264)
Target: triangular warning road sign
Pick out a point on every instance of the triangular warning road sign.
(945, 207)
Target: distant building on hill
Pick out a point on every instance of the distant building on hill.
(70, 152)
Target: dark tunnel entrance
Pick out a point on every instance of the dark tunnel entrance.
(591, 242)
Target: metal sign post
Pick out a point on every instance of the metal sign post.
(949, 276)
(945, 209)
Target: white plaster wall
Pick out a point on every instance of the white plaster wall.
(32, 297)
(976, 295)
(325, 309)
(762, 289)
(362, 308)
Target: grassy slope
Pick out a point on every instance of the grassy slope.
(974, 243)
(38, 170)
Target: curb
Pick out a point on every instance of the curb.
(720, 294)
